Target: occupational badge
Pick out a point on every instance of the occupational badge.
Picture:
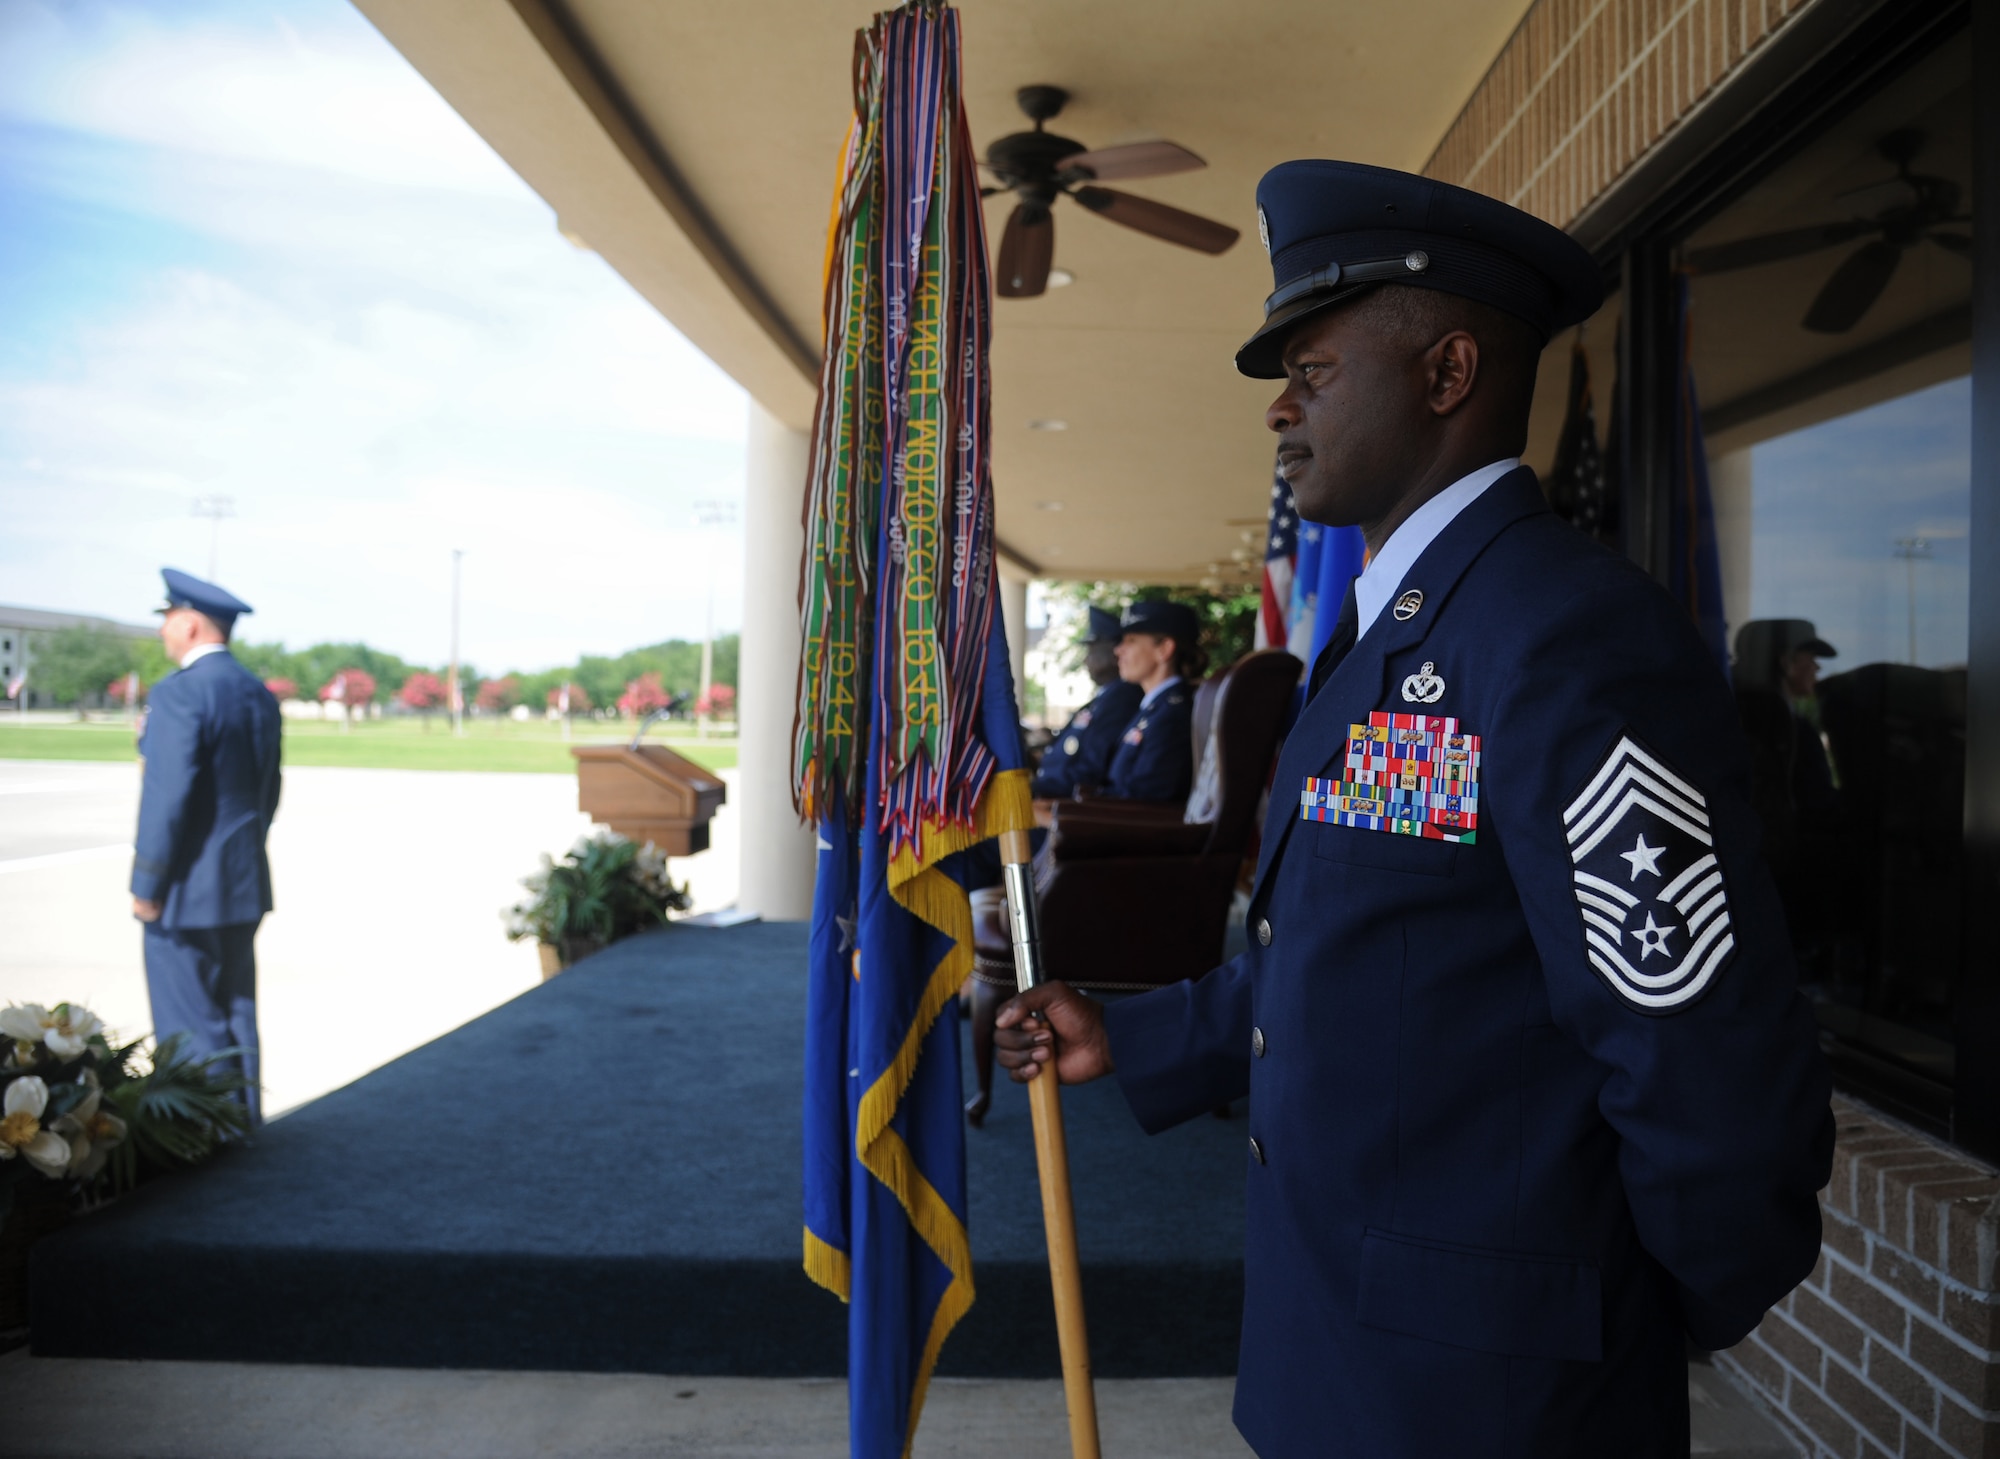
(1407, 774)
(1655, 908)
(1424, 686)
(1408, 604)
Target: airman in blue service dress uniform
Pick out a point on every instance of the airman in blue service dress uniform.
(1081, 754)
(1533, 1098)
(1155, 756)
(200, 878)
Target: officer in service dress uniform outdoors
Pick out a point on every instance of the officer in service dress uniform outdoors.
(1534, 1101)
(1081, 755)
(200, 879)
(1160, 653)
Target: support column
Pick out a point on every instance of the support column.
(777, 870)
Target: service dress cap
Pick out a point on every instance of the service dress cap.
(1164, 617)
(184, 590)
(1334, 229)
(1102, 628)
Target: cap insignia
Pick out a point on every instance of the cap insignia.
(1264, 231)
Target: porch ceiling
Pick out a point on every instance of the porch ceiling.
(694, 146)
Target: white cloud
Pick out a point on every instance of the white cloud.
(378, 365)
(305, 86)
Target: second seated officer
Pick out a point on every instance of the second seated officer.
(1081, 754)
(1534, 1100)
(200, 880)
(1159, 651)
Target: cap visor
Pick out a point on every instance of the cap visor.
(1263, 354)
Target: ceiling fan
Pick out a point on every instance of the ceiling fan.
(1901, 211)
(1038, 167)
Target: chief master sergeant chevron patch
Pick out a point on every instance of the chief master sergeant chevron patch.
(1655, 911)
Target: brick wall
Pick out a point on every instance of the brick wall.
(1584, 88)
(1889, 1347)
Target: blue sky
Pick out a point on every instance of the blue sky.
(249, 252)
(1829, 504)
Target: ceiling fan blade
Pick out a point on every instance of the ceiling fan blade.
(1026, 250)
(1134, 159)
(1190, 230)
(1853, 289)
(1958, 243)
(1721, 258)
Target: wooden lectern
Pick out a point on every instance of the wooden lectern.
(648, 793)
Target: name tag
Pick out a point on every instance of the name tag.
(1407, 774)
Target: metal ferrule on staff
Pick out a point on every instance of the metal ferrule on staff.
(1025, 923)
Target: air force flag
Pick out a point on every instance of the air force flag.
(1655, 910)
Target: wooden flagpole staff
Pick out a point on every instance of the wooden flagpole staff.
(1052, 1156)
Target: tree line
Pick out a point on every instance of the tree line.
(86, 665)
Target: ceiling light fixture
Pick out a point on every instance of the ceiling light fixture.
(1061, 278)
(1048, 506)
(1048, 425)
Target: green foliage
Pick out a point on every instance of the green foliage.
(76, 663)
(1228, 614)
(176, 1113)
(310, 668)
(605, 887)
(398, 743)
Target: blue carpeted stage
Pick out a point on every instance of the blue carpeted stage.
(603, 1175)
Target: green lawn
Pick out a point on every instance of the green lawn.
(396, 744)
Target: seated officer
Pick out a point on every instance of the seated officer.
(1081, 755)
(1157, 651)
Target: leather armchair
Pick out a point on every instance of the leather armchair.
(1135, 895)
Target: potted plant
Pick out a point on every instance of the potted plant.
(82, 1121)
(604, 888)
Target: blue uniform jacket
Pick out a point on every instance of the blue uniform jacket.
(1081, 754)
(1155, 757)
(1527, 1109)
(211, 787)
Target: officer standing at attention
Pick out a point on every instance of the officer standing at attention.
(200, 879)
(1159, 652)
(1534, 1101)
(1081, 754)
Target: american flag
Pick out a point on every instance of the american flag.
(1281, 556)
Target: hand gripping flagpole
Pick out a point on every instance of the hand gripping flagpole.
(1052, 1157)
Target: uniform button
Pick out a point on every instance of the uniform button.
(1257, 1042)
(1264, 930)
(1256, 1150)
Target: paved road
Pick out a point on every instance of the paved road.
(389, 886)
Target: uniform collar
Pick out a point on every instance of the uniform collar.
(1386, 569)
(201, 651)
(1159, 689)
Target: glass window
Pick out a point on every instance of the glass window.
(1831, 319)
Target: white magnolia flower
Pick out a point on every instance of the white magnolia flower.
(24, 1022)
(66, 1029)
(21, 1131)
(91, 1132)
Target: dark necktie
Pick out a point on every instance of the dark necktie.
(1338, 645)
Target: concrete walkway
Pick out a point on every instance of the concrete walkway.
(58, 1408)
(389, 886)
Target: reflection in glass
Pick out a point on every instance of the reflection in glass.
(1832, 325)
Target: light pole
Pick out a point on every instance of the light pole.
(452, 694)
(711, 513)
(1911, 550)
(215, 508)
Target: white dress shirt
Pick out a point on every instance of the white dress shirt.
(1384, 574)
(1157, 690)
(202, 651)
